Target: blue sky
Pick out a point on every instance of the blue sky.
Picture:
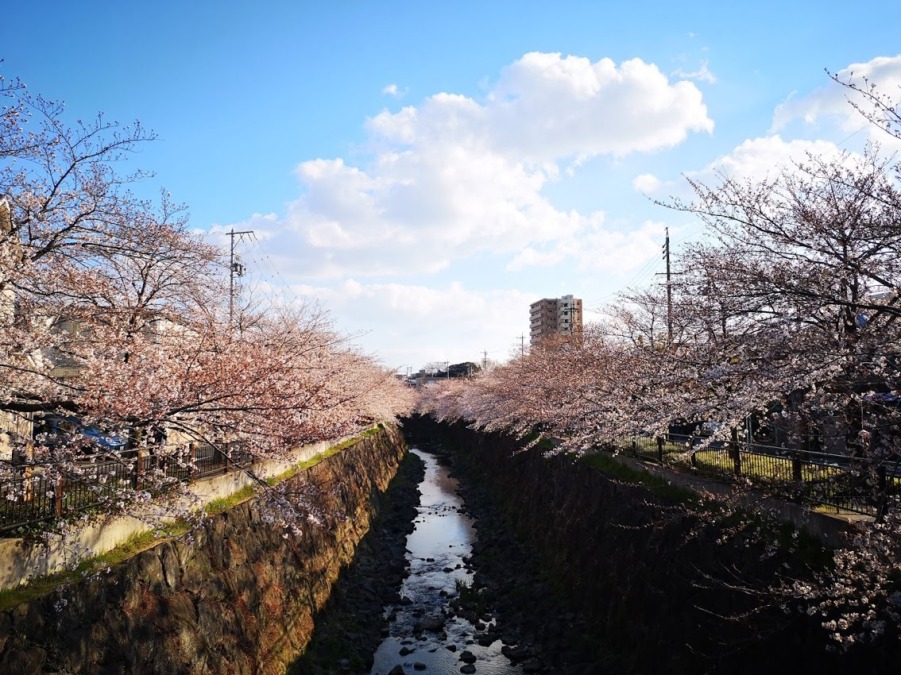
(426, 170)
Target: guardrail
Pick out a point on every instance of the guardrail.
(847, 482)
(32, 492)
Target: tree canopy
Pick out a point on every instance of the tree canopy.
(786, 312)
(115, 313)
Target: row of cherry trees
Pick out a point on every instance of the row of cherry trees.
(788, 308)
(114, 312)
(793, 298)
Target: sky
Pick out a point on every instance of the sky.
(424, 171)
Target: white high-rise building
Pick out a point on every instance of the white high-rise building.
(555, 316)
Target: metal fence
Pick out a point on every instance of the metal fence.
(31, 492)
(843, 482)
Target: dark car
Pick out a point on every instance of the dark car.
(57, 431)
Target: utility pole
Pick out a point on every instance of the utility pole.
(669, 291)
(522, 345)
(485, 361)
(234, 269)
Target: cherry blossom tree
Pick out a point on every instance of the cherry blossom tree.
(875, 105)
(790, 303)
(113, 314)
(797, 288)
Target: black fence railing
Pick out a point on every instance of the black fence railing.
(844, 482)
(32, 492)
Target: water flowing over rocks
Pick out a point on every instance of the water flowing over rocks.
(628, 580)
(351, 625)
(569, 573)
(501, 618)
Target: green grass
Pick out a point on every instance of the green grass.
(41, 586)
(620, 471)
(767, 471)
(325, 454)
(764, 468)
(217, 506)
(36, 588)
(543, 442)
(802, 546)
(769, 467)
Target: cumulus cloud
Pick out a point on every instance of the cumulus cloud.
(546, 106)
(756, 159)
(614, 252)
(833, 103)
(455, 176)
(491, 319)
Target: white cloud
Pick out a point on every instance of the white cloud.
(598, 249)
(756, 159)
(833, 103)
(391, 90)
(454, 176)
(546, 107)
(702, 74)
(646, 183)
(491, 319)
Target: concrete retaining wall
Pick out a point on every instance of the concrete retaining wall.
(21, 560)
(238, 595)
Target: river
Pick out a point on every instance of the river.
(426, 632)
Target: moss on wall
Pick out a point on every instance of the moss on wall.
(235, 596)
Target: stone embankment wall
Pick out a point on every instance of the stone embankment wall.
(656, 583)
(236, 596)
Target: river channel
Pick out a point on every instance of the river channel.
(425, 632)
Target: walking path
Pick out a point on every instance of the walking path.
(831, 527)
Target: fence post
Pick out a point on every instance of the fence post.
(59, 496)
(660, 448)
(27, 487)
(882, 484)
(137, 435)
(192, 457)
(735, 451)
(228, 459)
(139, 469)
(796, 467)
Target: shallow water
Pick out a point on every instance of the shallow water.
(442, 538)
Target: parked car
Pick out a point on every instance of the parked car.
(55, 431)
(703, 434)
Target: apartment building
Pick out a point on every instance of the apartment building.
(555, 316)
